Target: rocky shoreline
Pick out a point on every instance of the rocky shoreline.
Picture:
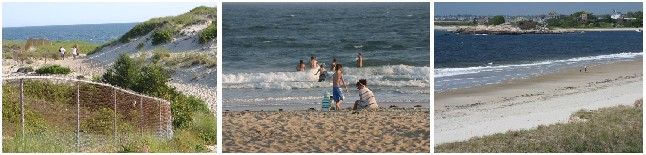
(506, 30)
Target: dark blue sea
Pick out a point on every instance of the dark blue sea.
(96, 33)
(469, 60)
(263, 43)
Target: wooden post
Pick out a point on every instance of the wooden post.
(114, 96)
(141, 114)
(160, 118)
(22, 110)
(78, 116)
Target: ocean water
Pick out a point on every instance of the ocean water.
(96, 33)
(463, 61)
(263, 43)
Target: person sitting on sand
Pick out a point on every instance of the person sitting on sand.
(366, 100)
(313, 63)
(360, 61)
(301, 66)
(62, 50)
(323, 74)
(337, 78)
(333, 65)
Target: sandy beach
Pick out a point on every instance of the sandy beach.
(526, 103)
(384, 130)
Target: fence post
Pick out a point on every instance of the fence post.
(78, 116)
(22, 111)
(160, 117)
(114, 97)
(141, 115)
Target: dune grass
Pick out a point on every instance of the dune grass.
(171, 23)
(613, 129)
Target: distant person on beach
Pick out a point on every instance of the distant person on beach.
(585, 69)
(74, 51)
(367, 99)
(313, 63)
(301, 66)
(360, 61)
(323, 74)
(333, 65)
(62, 50)
(337, 78)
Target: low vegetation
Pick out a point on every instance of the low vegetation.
(194, 125)
(190, 114)
(605, 21)
(190, 60)
(173, 23)
(23, 51)
(53, 69)
(162, 36)
(614, 129)
(209, 33)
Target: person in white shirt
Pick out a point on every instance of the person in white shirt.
(367, 99)
(74, 51)
(62, 50)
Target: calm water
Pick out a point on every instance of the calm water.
(263, 43)
(470, 60)
(96, 33)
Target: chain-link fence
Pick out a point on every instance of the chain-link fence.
(69, 115)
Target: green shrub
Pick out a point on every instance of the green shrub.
(209, 33)
(152, 81)
(123, 73)
(204, 125)
(162, 36)
(193, 121)
(140, 30)
(140, 45)
(53, 69)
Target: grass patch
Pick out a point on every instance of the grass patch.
(190, 59)
(53, 69)
(209, 33)
(46, 51)
(614, 129)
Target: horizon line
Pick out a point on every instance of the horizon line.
(69, 25)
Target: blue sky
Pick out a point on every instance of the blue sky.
(532, 8)
(16, 14)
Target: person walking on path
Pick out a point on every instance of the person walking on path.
(62, 50)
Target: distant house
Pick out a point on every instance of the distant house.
(520, 19)
(616, 15)
(584, 16)
(482, 21)
(553, 15)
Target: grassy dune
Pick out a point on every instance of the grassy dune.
(613, 129)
